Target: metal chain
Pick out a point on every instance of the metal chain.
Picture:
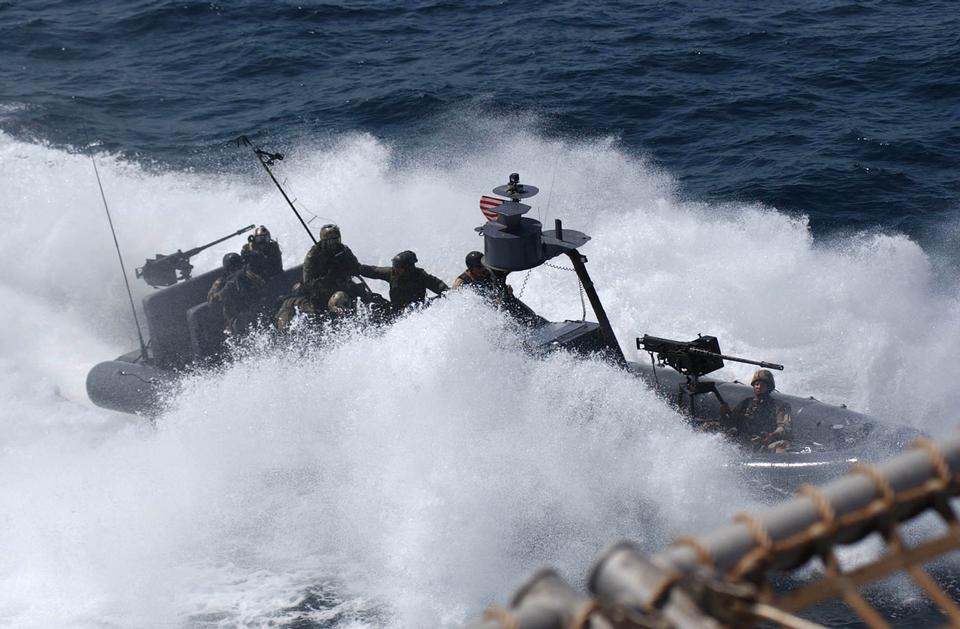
(523, 286)
(583, 303)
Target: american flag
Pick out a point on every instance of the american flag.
(487, 204)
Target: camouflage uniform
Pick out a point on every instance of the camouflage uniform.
(485, 285)
(239, 291)
(263, 259)
(496, 290)
(292, 304)
(325, 272)
(409, 287)
(290, 308)
(759, 416)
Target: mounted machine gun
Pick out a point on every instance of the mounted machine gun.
(167, 270)
(694, 359)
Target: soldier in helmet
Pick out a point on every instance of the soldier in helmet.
(238, 289)
(492, 286)
(340, 306)
(761, 420)
(262, 254)
(408, 282)
(329, 266)
(477, 276)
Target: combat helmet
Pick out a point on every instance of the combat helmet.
(232, 262)
(339, 302)
(764, 375)
(330, 236)
(329, 231)
(260, 234)
(404, 259)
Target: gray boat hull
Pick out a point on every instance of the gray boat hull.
(127, 386)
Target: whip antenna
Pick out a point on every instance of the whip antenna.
(266, 159)
(123, 270)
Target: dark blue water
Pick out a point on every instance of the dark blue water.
(844, 111)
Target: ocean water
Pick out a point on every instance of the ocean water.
(781, 177)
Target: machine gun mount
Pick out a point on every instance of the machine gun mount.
(167, 270)
(694, 359)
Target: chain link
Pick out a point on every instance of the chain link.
(583, 303)
(523, 286)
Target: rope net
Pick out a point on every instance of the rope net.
(732, 577)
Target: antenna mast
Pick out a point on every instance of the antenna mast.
(123, 270)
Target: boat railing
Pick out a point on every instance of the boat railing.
(731, 577)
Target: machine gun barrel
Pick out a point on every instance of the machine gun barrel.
(759, 363)
(694, 358)
(192, 252)
(167, 270)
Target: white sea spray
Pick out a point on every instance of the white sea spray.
(423, 470)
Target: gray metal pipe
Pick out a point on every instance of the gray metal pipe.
(846, 495)
(545, 601)
(629, 585)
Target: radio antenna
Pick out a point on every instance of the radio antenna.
(266, 160)
(123, 270)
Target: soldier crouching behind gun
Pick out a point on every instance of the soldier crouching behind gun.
(760, 421)
(239, 291)
(262, 254)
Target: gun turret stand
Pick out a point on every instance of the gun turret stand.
(513, 242)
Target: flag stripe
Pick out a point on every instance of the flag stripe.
(487, 204)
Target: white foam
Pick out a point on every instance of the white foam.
(430, 466)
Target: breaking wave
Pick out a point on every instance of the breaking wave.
(410, 476)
